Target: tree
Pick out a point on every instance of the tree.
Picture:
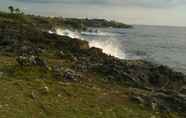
(11, 8)
(17, 11)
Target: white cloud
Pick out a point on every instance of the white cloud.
(155, 12)
(139, 3)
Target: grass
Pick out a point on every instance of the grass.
(24, 95)
(67, 100)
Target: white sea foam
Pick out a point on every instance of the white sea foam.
(68, 33)
(110, 46)
(96, 34)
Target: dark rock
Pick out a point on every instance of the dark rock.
(61, 54)
(27, 50)
(41, 62)
(57, 70)
(171, 102)
(73, 58)
(82, 65)
(28, 60)
(71, 75)
(183, 90)
(163, 101)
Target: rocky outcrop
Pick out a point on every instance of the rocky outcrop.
(160, 101)
(84, 23)
(31, 60)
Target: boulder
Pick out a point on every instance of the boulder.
(70, 74)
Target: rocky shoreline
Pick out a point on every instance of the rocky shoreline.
(155, 86)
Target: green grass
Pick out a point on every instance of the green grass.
(67, 100)
(24, 95)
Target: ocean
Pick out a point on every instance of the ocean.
(158, 44)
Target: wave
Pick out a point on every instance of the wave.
(96, 34)
(68, 33)
(109, 46)
(65, 32)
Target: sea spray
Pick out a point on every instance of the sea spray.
(65, 32)
(97, 34)
(68, 33)
(110, 46)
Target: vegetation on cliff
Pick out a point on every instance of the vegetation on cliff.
(50, 76)
(95, 23)
(70, 23)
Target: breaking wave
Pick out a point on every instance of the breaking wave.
(109, 46)
(96, 34)
(65, 32)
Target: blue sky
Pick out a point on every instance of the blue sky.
(150, 12)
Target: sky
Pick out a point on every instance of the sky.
(147, 12)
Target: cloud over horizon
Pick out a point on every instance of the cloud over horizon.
(153, 12)
(137, 3)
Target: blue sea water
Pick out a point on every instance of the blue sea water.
(158, 44)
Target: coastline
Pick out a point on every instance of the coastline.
(43, 62)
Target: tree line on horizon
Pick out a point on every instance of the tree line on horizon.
(15, 10)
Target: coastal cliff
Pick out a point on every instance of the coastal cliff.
(52, 76)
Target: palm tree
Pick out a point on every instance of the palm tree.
(17, 11)
(11, 8)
